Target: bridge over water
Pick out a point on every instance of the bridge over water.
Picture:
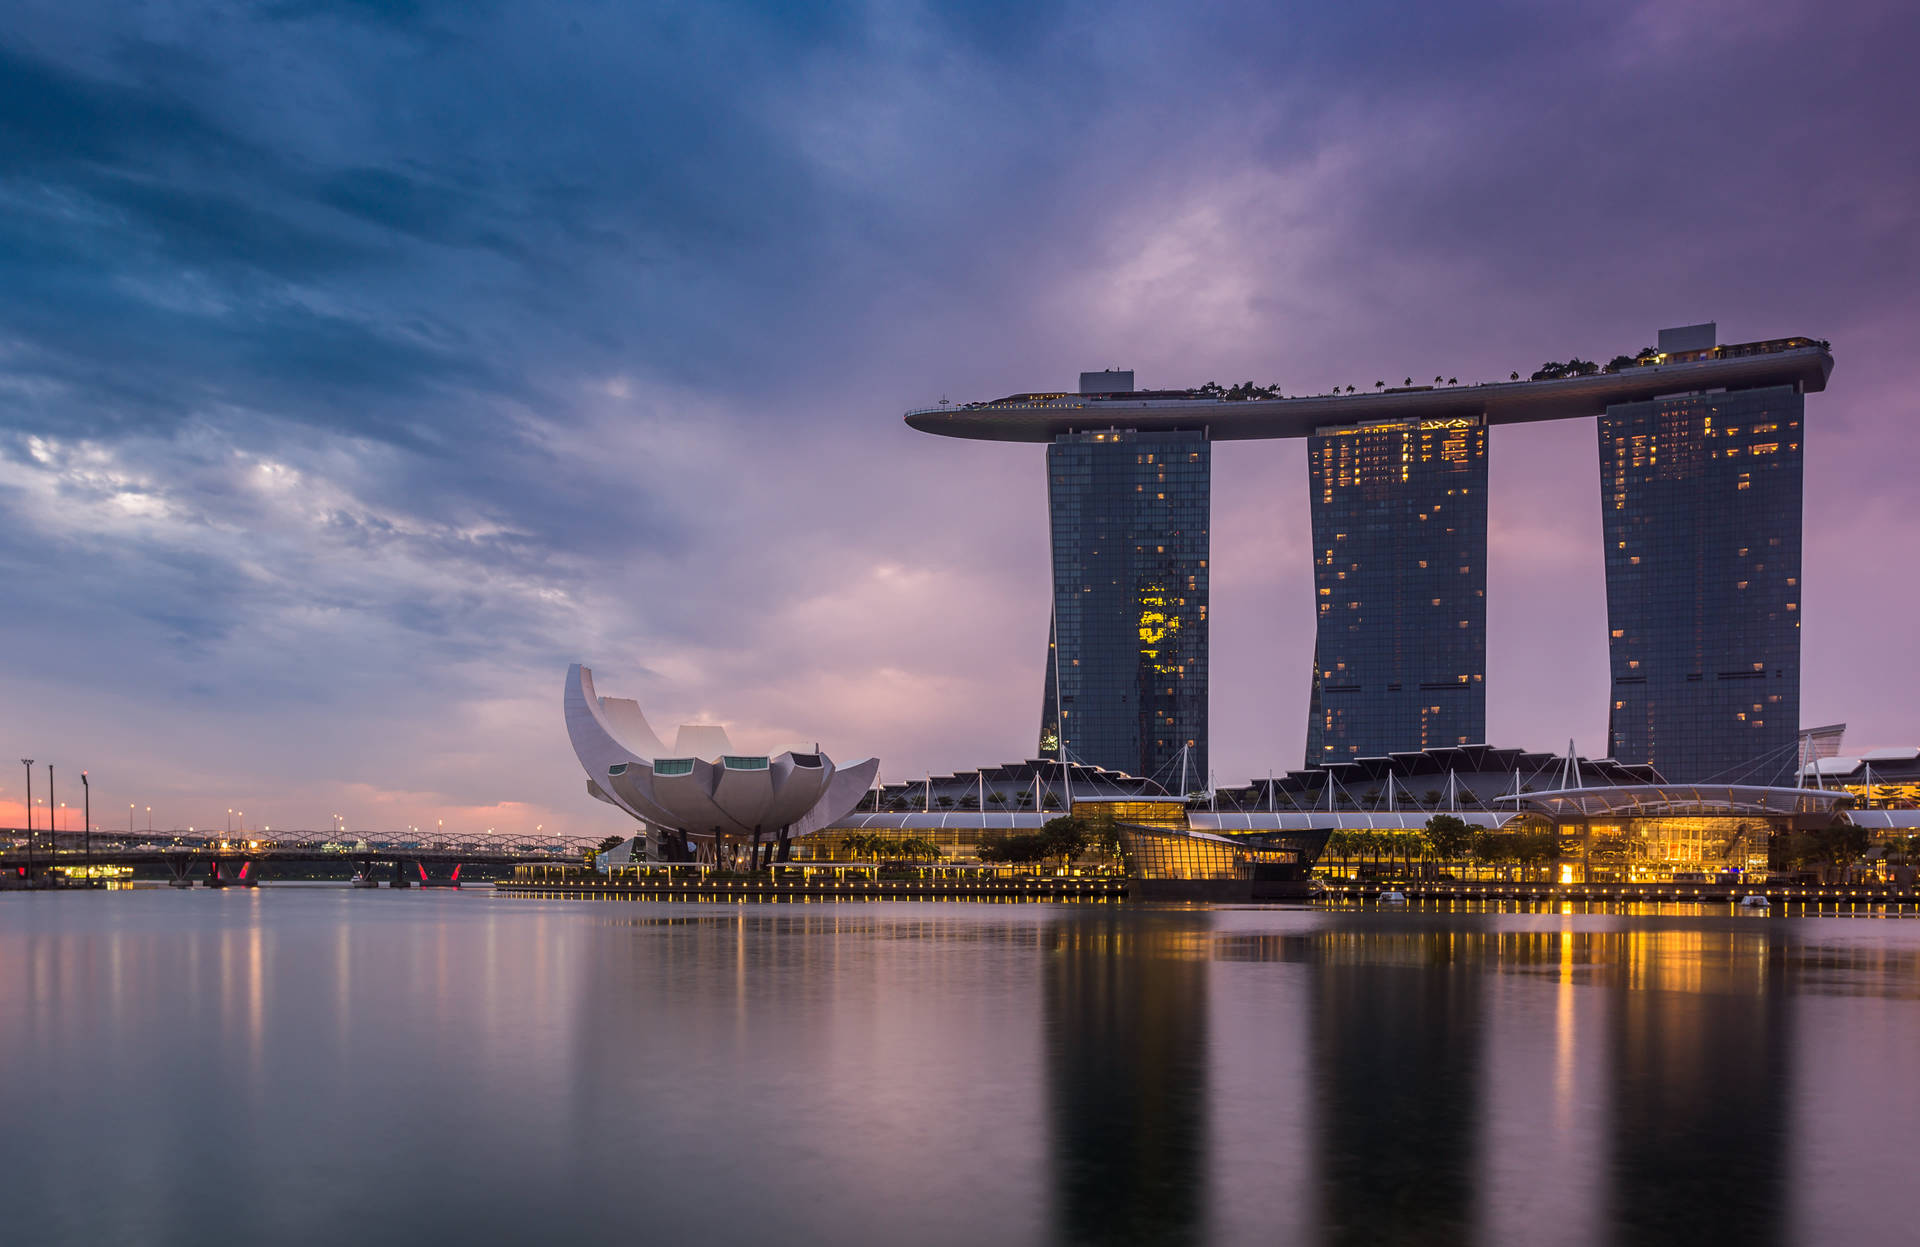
(223, 859)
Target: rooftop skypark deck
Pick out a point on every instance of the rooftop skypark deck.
(1803, 363)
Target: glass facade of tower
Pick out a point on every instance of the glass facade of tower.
(1126, 683)
(1400, 587)
(1700, 502)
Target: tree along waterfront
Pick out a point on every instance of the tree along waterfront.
(1446, 842)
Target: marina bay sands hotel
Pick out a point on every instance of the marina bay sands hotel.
(1700, 496)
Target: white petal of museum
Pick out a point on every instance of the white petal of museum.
(709, 799)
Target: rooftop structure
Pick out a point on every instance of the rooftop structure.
(1037, 784)
(1448, 778)
(1884, 783)
(1804, 363)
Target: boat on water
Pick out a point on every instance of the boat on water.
(1753, 900)
(1393, 898)
(363, 880)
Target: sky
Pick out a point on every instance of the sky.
(364, 364)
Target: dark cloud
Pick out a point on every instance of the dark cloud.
(363, 363)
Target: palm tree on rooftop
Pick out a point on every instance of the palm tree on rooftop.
(1513, 376)
(1436, 381)
(1453, 381)
(1408, 381)
(1379, 385)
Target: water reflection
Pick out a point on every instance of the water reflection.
(1646, 1100)
(1701, 1079)
(1396, 1066)
(334, 1066)
(1124, 1008)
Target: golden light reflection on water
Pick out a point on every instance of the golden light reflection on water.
(1563, 1034)
(1214, 1074)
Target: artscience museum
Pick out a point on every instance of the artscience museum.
(700, 801)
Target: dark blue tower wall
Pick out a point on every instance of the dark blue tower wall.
(1701, 509)
(1127, 665)
(1399, 511)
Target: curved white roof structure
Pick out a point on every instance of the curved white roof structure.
(1660, 800)
(725, 794)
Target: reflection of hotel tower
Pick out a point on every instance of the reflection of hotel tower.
(1700, 449)
(1424, 1134)
(1127, 1056)
(1396, 1055)
(1700, 1044)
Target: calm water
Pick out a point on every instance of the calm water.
(311, 1065)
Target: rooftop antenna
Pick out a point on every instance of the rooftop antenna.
(1059, 711)
(928, 807)
(1272, 808)
(1184, 751)
(1213, 790)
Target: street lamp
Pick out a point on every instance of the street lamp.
(86, 822)
(28, 763)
